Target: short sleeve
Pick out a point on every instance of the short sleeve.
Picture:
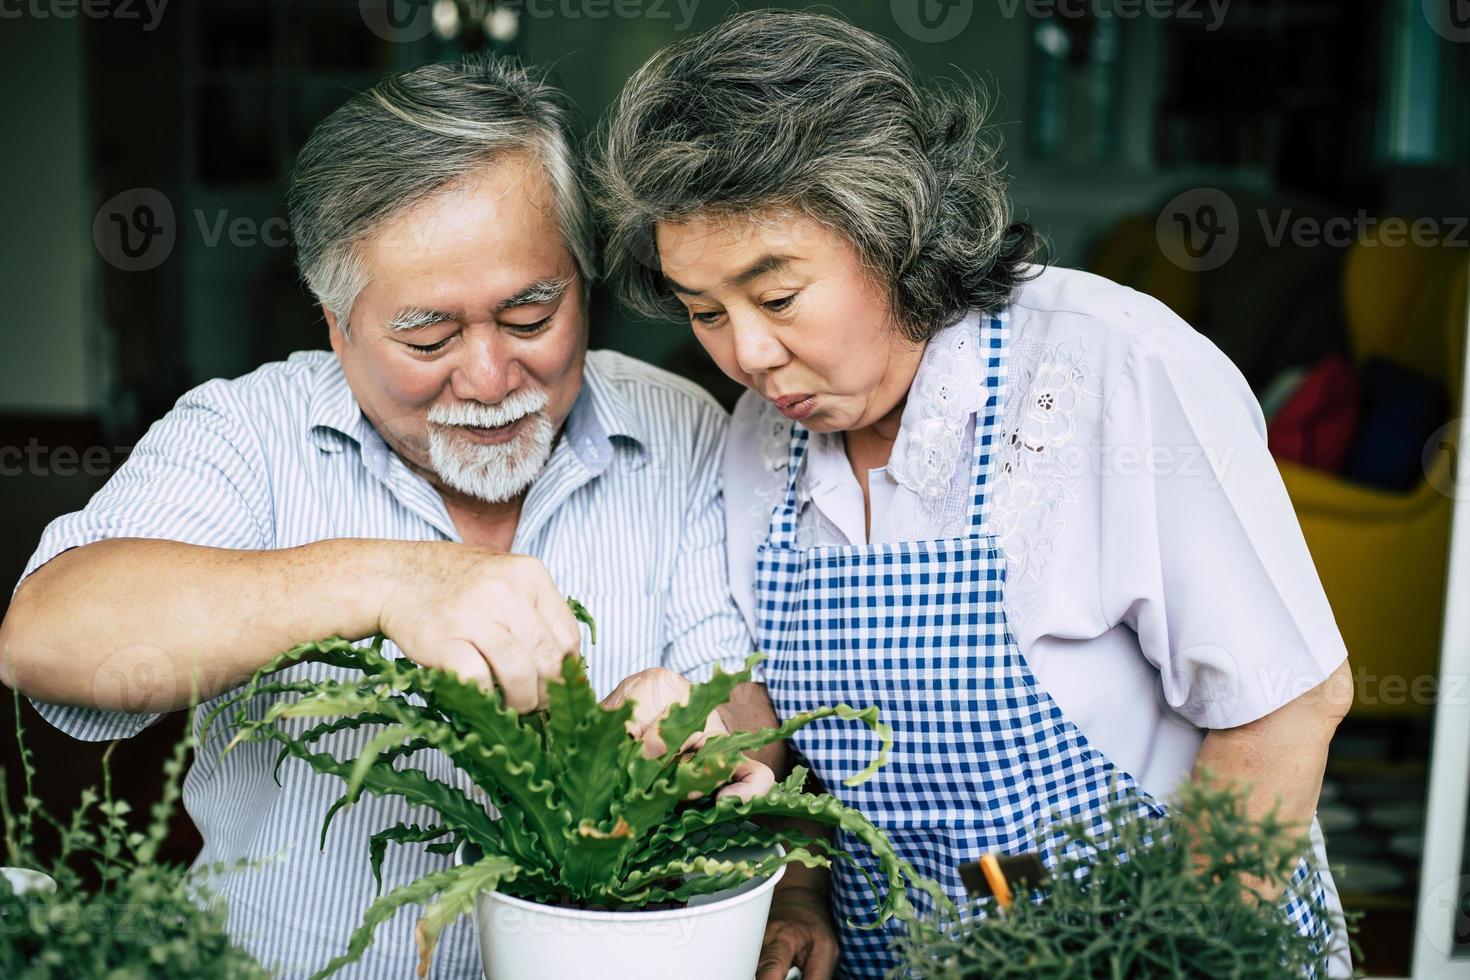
(704, 625)
(1201, 551)
(197, 476)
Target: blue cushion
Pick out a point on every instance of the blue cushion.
(1401, 410)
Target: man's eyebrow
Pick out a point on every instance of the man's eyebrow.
(414, 317)
(545, 291)
(758, 268)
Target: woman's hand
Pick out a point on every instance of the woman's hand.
(653, 692)
(799, 933)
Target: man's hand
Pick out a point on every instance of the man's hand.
(799, 933)
(487, 616)
(653, 692)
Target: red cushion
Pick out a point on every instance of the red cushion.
(1317, 425)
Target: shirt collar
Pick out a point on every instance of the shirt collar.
(949, 383)
(599, 416)
(333, 411)
(947, 390)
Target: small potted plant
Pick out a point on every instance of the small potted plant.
(1138, 898)
(575, 847)
(141, 920)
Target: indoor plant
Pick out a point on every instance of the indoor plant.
(1134, 896)
(582, 817)
(142, 920)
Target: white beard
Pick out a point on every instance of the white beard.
(493, 474)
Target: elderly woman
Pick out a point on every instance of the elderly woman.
(1028, 513)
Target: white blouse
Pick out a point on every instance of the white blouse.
(1158, 583)
(1157, 580)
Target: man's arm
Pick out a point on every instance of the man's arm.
(126, 624)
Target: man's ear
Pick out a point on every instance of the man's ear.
(333, 331)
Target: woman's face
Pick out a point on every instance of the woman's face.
(785, 307)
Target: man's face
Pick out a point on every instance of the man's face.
(467, 344)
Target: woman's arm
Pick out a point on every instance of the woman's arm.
(1278, 760)
(799, 931)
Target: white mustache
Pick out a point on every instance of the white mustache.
(515, 406)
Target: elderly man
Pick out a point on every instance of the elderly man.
(447, 475)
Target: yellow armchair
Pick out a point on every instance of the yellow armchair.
(1381, 555)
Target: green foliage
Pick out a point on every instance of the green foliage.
(1131, 902)
(584, 816)
(145, 921)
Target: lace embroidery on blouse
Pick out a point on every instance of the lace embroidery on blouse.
(1049, 383)
(932, 457)
(775, 443)
(1037, 460)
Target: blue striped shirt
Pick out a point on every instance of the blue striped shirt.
(627, 515)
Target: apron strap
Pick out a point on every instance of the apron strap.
(782, 530)
(995, 333)
(994, 345)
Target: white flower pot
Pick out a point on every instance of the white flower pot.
(718, 937)
(23, 881)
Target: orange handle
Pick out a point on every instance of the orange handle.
(990, 867)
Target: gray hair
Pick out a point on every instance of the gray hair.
(411, 136)
(776, 110)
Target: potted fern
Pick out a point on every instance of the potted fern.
(1137, 897)
(570, 840)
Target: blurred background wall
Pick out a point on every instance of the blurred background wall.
(48, 275)
(1243, 160)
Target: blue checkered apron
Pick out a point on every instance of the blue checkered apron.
(983, 758)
